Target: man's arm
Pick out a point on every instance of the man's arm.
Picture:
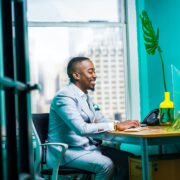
(120, 126)
(67, 109)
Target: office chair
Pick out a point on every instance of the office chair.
(40, 128)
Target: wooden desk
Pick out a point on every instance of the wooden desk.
(154, 135)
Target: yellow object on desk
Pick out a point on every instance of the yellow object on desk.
(166, 111)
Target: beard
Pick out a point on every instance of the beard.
(92, 88)
(92, 85)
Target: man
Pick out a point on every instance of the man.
(73, 119)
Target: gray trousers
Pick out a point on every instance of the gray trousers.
(105, 162)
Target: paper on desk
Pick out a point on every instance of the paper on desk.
(136, 129)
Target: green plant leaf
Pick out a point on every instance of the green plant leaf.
(150, 37)
(149, 46)
(147, 39)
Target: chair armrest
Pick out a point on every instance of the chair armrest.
(65, 146)
(62, 151)
(59, 155)
(57, 148)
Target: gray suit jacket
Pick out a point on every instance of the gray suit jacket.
(71, 121)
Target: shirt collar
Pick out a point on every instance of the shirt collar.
(78, 91)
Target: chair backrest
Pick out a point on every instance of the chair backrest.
(41, 122)
(40, 126)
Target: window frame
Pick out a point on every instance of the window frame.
(133, 94)
(128, 24)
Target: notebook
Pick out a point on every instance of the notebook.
(136, 129)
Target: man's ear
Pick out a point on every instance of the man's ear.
(76, 76)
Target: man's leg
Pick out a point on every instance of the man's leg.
(95, 162)
(120, 160)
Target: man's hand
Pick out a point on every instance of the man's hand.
(121, 126)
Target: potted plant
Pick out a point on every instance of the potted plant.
(151, 42)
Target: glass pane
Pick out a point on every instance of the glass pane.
(176, 91)
(73, 10)
(50, 50)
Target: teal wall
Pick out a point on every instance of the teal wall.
(165, 15)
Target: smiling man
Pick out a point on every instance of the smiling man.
(73, 120)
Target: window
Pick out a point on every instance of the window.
(82, 11)
(57, 32)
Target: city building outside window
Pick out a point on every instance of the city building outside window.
(94, 29)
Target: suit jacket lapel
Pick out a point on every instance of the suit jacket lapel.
(84, 105)
(91, 108)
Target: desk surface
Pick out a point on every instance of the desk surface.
(151, 132)
(153, 135)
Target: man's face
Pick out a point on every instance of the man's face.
(86, 74)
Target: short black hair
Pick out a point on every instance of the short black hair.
(70, 66)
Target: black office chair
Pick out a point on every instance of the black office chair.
(40, 128)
